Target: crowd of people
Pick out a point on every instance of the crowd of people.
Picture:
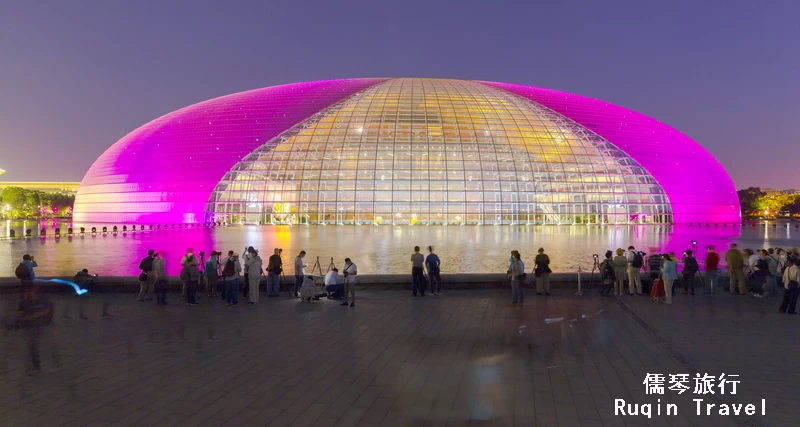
(229, 276)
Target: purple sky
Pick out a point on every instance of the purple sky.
(77, 76)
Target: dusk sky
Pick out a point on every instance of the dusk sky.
(76, 76)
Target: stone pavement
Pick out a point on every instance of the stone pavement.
(393, 360)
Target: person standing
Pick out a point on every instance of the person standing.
(274, 269)
(188, 258)
(791, 287)
(253, 266)
(230, 276)
(299, 272)
(160, 277)
(517, 278)
(417, 273)
(773, 266)
(146, 287)
(761, 273)
(211, 274)
(350, 272)
(712, 270)
(542, 272)
(433, 263)
(669, 273)
(635, 264)
(735, 262)
(690, 269)
(607, 274)
(620, 270)
(34, 314)
(246, 276)
(190, 276)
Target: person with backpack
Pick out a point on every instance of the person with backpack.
(517, 278)
(712, 270)
(635, 264)
(620, 270)
(791, 287)
(146, 285)
(211, 274)
(230, 276)
(24, 270)
(433, 263)
(190, 276)
(690, 269)
(607, 274)
(542, 272)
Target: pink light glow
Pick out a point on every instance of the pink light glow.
(697, 185)
(165, 171)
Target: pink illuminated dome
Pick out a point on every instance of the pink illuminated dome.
(411, 151)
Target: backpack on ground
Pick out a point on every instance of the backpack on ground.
(230, 269)
(638, 260)
(22, 271)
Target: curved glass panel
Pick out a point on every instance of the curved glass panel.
(436, 151)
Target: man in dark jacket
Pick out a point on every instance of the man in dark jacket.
(274, 269)
(146, 287)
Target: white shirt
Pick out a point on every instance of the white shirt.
(298, 267)
(751, 262)
(629, 256)
(351, 271)
(332, 278)
(791, 273)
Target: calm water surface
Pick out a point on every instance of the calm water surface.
(376, 250)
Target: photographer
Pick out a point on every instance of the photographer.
(607, 273)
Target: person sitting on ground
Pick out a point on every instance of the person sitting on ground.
(333, 284)
(307, 289)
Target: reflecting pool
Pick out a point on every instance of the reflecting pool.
(375, 249)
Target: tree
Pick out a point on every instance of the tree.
(773, 202)
(747, 200)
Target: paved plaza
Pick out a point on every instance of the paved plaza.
(393, 360)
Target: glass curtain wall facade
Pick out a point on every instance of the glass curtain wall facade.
(436, 151)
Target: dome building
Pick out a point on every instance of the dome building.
(411, 151)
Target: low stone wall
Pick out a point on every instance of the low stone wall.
(371, 281)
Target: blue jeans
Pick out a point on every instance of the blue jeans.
(273, 284)
(516, 289)
(232, 291)
(298, 282)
